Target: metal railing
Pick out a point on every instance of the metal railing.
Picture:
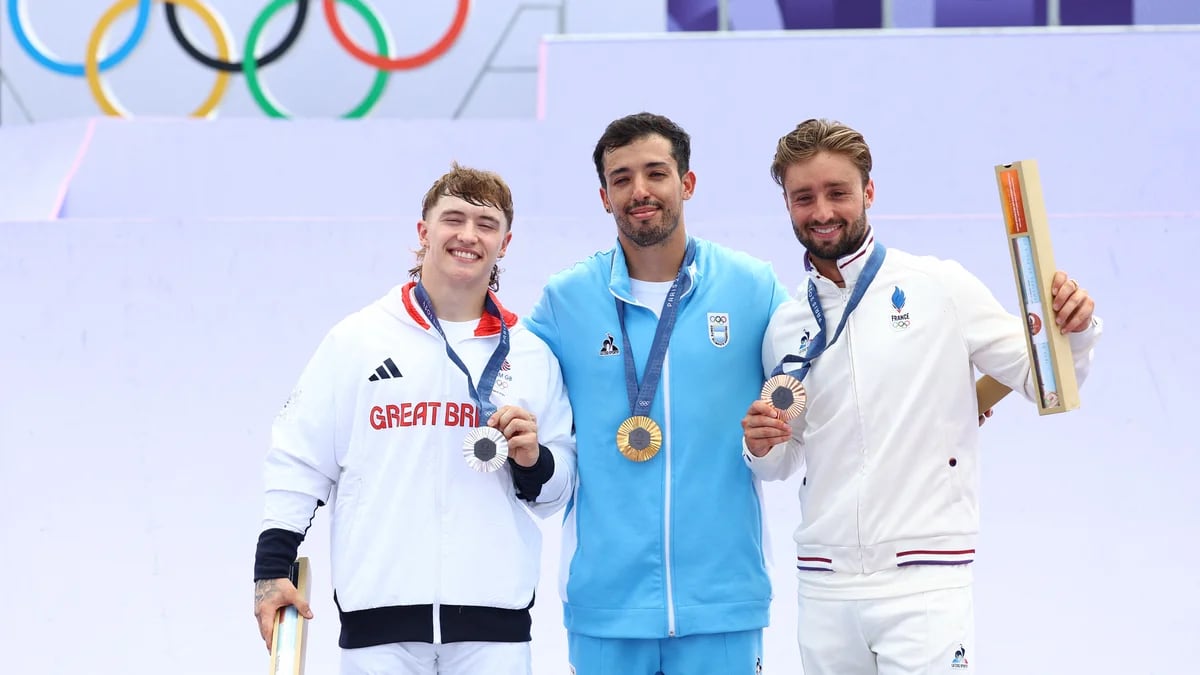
(489, 66)
(6, 83)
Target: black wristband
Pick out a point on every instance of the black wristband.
(275, 554)
(529, 479)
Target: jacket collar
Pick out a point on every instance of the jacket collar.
(851, 264)
(488, 325)
(621, 286)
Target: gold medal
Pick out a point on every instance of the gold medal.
(786, 394)
(639, 438)
(485, 449)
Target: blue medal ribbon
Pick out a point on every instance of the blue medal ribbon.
(483, 395)
(641, 395)
(817, 345)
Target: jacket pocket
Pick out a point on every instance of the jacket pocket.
(345, 513)
(955, 472)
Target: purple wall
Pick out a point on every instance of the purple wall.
(692, 15)
(701, 15)
(831, 13)
(973, 13)
(1096, 12)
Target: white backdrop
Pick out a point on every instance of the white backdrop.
(143, 364)
(147, 341)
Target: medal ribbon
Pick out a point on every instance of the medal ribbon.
(483, 395)
(817, 345)
(641, 396)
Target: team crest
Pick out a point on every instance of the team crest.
(960, 658)
(900, 318)
(804, 342)
(504, 377)
(718, 329)
(609, 346)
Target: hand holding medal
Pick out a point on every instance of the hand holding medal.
(764, 427)
(519, 427)
(786, 394)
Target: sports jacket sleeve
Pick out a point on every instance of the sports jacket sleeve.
(301, 466)
(555, 434)
(782, 461)
(996, 339)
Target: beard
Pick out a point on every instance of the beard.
(852, 237)
(648, 234)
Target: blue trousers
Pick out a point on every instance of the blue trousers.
(711, 654)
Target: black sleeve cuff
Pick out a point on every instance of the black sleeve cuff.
(276, 552)
(529, 480)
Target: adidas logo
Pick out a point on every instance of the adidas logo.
(385, 372)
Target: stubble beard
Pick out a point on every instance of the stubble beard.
(852, 238)
(645, 236)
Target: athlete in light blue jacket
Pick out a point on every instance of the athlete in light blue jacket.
(660, 344)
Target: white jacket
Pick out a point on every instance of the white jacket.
(412, 525)
(890, 437)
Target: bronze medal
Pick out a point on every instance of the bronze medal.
(786, 394)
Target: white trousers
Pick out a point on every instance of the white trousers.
(917, 634)
(422, 658)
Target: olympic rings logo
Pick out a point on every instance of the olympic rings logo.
(93, 66)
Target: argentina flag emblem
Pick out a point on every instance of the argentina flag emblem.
(718, 329)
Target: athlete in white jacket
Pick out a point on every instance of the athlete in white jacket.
(435, 551)
(889, 438)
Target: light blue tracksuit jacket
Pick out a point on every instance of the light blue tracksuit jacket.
(672, 546)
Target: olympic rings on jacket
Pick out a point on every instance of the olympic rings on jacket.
(93, 67)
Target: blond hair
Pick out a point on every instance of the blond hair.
(820, 135)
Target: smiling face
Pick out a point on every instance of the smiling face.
(461, 243)
(827, 202)
(644, 191)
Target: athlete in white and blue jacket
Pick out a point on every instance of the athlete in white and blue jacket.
(663, 567)
(889, 440)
